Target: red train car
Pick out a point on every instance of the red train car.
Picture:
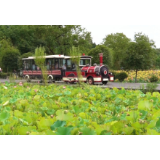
(96, 74)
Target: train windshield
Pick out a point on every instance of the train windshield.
(84, 62)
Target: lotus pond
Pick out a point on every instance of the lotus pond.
(67, 110)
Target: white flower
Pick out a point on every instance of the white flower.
(5, 103)
(5, 87)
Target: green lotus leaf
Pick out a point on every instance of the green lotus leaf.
(4, 115)
(50, 111)
(144, 105)
(87, 131)
(64, 130)
(57, 124)
(152, 132)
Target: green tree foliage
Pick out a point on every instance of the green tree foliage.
(4, 44)
(118, 42)
(10, 59)
(57, 39)
(139, 54)
(75, 58)
(40, 62)
(157, 53)
(107, 55)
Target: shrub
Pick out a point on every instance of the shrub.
(121, 76)
(153, 78)
(150, 87)
(3, 75)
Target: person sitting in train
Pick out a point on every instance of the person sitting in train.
(64, 66)
(33, 67)
(48, 66)
(56, 65)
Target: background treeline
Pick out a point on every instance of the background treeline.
(17, 42)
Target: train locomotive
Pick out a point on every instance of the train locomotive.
(96, 74)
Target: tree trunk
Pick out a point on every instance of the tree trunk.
(136, 77)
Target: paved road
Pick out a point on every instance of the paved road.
(109, 85)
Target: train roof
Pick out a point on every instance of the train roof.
(57, 56)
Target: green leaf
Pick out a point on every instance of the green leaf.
(50, 111)
(44, 108)
(152, 132)
(93, 109)
(51, 95)
(4, 116)
(64, 130)
(123, 116)
(158, 125)
(22, 130)
(67, 93)
(44, 124)
(144, 105)
(128, 130)
(105, 132)
(76, 109)
(87, 131)
(61, 115)
(144, 114)
(58, 124)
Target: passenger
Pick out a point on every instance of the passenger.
(48, 66)
(33, 67)
(56, 65)
(64, 66)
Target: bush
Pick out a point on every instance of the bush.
(153, 78)
(121, 76)
(150, 87)
(3, 75)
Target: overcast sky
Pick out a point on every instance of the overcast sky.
(98, 32)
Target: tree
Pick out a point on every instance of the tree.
(118, 42)
(56, 39)
(139, 54)
(10, 59)
(157, 53)
(4, 44)
(75, 58)
(40, 62)
(107, 54)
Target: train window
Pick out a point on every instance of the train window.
(68, 64)
(60, 63)
(84, 61)
(48, 64)
(56, 65)
(27, 65)
(73, 66)
(52, 63)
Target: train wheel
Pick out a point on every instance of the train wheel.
(27, 78)
(90, 81)
(105, 82)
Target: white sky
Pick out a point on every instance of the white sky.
(98, 32)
